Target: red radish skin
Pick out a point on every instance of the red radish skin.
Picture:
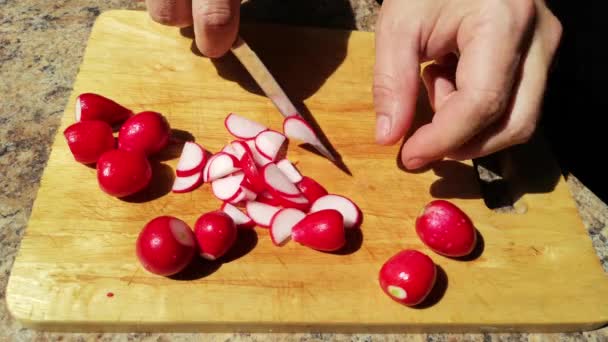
(215, 233)
(261, 213)
(349, 210)
(165, 246)
(123, 173)
(88, 140)
(241, 127)
(446, 229)
(311, 189)
(251, 171)
(277, 183)
(220, 165)
(408, 277)
(282, 223)
(188, 183)
(269, 143)
(91, 106)
(268, 198)
(241, 219)
(146, 132)
(322, 230)
(192, 159)
(290, 171)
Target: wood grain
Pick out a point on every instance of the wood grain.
(537, 270)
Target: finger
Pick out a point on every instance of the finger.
(439, 83)
(396, 76)
(171, 12)
(215, 25)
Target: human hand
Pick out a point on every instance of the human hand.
(485, 100)
(215, 21)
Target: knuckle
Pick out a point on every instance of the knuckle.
(215, 14)
(488, 104)
(383, 86)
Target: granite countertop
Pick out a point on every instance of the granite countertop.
(41, 47)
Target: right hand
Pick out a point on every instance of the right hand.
(215, 21)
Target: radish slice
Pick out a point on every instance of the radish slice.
(251, 171)
(240, 218)
(277, 182)
(188, 183)
(281, 224)
(192, 160)
(294, 127)
(349, 210)
(290, 171)
(228, 187)
(229, 149)
(261, 213)
(239, 147)
(242, 127)
(268, 198)
(260, 160)
(243, 195)
(269, 143)
(220, 165)
(299, 202)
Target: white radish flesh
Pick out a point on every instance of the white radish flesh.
(290, 171)
(261, 213)
(229, 149)
(269, 143)
(221, 165)
(294, 127)
(242, 127)
(188, 183)
(240, 218)
(349, 210)
(277, 182)
(227, 187)
(243, 195)
(239, 148)
(282, 223)
(259, 159)
(191, 160)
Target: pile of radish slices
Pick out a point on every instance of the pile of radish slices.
(253, 173)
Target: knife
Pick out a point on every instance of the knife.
(273, 90)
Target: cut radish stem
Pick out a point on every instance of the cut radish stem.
(259, 159)
(269, 143)
(188, 183)
(290, 171)
(242, 127)
(221, 165)
(281, 224)
(270, 199)
(251, 171)
(294, 127)
(261, 213)
(192, 160)
(228, 187)
(229, 149)
(348, 209)
(299, 202)
(240, 218)
(311, 189)
(322, 230)
(278, 183)
(90, 106)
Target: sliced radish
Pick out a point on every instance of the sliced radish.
(243, 195)
(228, 187)
(281, 224)
(270, 199)
(278, 183)
(188, 183)
(240, 218)
(251, 171)
(242, 127)
(311, 189)
(299, 202)
(239, 147)
(229, 149)
(192, 160)
(220, 165)
(269, 143)
(259, 159)
(290, 171)
(349, 210)
(294, 127)
(261, 213)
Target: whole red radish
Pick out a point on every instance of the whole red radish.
(165, 246)
(146, 132)
(122, 173)
(91, 106)
(322, 230)
(446, 229)
(88, 140)
(408, 277)
(311, 189)
(215, 233)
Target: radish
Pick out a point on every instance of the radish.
(165, 246)
(215, 233)
(277, 183)
(240, 218)
(408, 277)
(239, 147)
(322, 230)
(187, 183)
(295, 127)
(122, 173)
(269, 143)
(281, 224)
(228, 188)
(290, 171)
(311, 189)
(259, 159)
(192, 160)
(299, 202)
(88, 140)
(261, 213)
(220, 165)
(446, 229)
(268, 198)
(90, 106)
(242, 127)
(243, 195)
(229, 149)
(146, 132)
(251, 171)
(348, 209)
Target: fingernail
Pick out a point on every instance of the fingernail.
(383, 126)
(414, 163)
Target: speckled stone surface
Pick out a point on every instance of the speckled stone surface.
(41, 47)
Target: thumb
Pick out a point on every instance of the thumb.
(215, 25)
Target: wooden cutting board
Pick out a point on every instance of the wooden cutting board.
(77, 270)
